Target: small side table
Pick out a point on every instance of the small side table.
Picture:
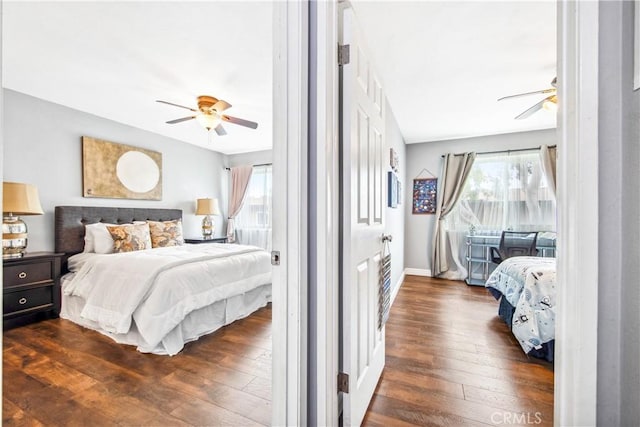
(31, 287)
(198, 240)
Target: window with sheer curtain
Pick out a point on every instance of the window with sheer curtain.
(505, 191)
(253, 223)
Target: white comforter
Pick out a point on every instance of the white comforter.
(158, 288)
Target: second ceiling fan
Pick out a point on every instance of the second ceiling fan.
(209, 114)
(550, 102)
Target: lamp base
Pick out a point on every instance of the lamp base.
(207, 227)
(14, 237)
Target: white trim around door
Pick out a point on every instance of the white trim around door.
(324, 237)
(577, 199)
(290, 140)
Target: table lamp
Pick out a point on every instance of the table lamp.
(17, 199)
(207, 207)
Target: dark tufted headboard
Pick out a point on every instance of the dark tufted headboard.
(70, 222)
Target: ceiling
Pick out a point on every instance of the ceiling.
(443, 64)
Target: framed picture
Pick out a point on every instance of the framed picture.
(392, 190)
(118, 171)
(393, 159)
(399, 192)
(424, 195)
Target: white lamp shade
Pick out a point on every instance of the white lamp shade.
(208, 121)
(20, 199)
(207, 207)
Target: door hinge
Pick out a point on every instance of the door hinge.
(343, 382)
(343, 54)
(275, 257)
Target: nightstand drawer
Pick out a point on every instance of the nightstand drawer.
(31, 298)
(15, 275)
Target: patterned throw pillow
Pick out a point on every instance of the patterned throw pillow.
(130, 237)
(166, 233)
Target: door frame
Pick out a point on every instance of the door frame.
(324, 230)
(577, 200)
(290, 207)
(577, 178)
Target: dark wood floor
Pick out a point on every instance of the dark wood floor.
(58, 373)
(451, 362)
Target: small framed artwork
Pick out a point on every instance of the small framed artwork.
(392, 190)
(399, 192)
(424, 195)
(393, 159)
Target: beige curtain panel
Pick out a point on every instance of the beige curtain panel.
(548, 164)
(240, 177)
(454, 175)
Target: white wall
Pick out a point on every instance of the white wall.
(395, 218)
(43, 147)
(419, 228)
(618, 391)
(253, 158)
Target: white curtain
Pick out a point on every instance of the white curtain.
(503, 192)
(253, 222)
(548, 164)
(239, 181)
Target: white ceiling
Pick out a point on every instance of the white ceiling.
(444, 64)
(114, 59)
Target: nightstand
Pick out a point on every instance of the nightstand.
(202, 240)
(31, 287)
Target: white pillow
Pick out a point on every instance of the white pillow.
(97, 238)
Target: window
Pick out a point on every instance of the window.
(253, 223)
(505, 192)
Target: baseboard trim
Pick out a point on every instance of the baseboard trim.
(396, 289)
(417, 272)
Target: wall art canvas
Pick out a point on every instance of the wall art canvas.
(424, 195)
(118, 171)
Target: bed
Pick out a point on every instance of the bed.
(156, 299)
(526, 289)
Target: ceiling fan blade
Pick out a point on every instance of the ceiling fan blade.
(176, 105)
(531, 110)
(220, 130)
(241, 122)
(184, 119)
(543, 91)
(220, 106)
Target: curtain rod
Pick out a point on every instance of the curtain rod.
(261, 164)
(504, 151)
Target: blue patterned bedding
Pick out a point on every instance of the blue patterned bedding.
(529, 285)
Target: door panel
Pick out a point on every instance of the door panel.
(363, 139)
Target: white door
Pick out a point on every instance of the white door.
(362, 353)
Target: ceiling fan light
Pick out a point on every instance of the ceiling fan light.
(551, 104)
(208, 121)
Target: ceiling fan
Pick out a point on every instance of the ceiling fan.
(209, 114)
(549, 103)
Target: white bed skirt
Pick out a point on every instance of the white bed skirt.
(196, 324)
